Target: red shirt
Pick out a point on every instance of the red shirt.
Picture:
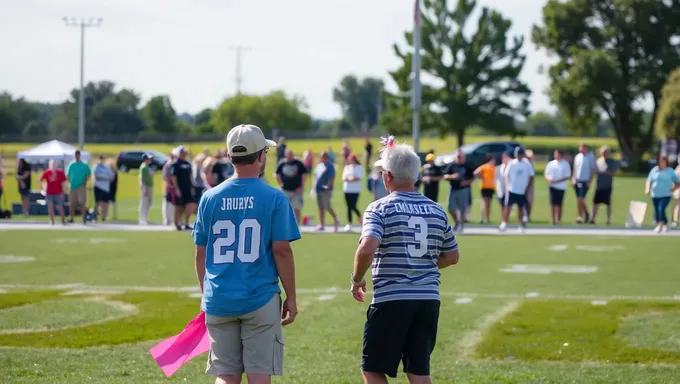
(54, 180)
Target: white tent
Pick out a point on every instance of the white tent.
(52, 150)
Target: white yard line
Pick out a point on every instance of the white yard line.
(80, 288)
(473, 337)
(469, 230)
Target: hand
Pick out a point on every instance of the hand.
(646, 191)
(573, 182)
(426, 179)
(358, 290)
(178, 192)
(588, 184)
(289, 311)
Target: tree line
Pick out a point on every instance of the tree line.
(611, 57)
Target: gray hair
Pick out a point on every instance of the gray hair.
(402, 162)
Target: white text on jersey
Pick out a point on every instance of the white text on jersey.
(234, 203)
(412, 208)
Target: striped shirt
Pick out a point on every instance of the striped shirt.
(412, 231)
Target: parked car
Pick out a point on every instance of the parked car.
(475, 154)
(132, 159)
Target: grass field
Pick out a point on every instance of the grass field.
(612, 316)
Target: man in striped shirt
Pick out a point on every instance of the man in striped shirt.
(406, 239)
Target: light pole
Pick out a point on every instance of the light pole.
(239, 50)
(82, 24)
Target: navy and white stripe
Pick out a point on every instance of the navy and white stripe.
(412, 231)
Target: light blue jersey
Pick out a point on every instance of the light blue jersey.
(237, 221)
(662, 181)
(413, 231)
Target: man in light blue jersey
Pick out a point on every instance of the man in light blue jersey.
(242, 234)
(406, 239)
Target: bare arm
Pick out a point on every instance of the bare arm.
(285, 265)
(447, 259)
(648, 187)
(200, 265)
(363, 257)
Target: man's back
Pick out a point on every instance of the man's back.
(237, 221)
(519, 174)
(412, 230)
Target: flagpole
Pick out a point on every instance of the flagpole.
(416, 87)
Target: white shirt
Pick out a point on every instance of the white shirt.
(500, 180)
(519, 173)
(584, 166)
(558, 169)
(352, 186)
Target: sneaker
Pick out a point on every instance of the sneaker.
(502, 227)
(188, 228)
(658, 228)
(579, 220)
(664, 229)
(348, 228)
(525, 219)
(521, 229)
(460, 229)
(674, 224)
(178, 227)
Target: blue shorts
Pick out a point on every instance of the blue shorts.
(515, 199)
(459, 200)
(581, 189)
(57, 200)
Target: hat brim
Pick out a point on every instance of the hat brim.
(270, 143)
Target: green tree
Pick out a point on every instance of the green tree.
(107, 111)
(667, 123)
(159, 115)
(543, 124)
(19, 116)
(361, 101)
(612, 55)
(274, 110)
(468, 79)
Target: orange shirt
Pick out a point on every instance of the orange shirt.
(488, 174)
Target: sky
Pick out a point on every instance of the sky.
(182, 47)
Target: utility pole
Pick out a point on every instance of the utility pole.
(239, 50)
(82, 24)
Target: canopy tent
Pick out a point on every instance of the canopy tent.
(52, 150)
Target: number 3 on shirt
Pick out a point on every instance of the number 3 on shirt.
(419, 225)
(222, 256)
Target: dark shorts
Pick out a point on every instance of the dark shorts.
(186, 198)
(400, 331)
(556, 197)
(502, 201)
(24, 191)
(516, 199)
(603, 196)
(488, 193)
(101, 196)
(581, 189)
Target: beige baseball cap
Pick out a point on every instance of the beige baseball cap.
(246, 139)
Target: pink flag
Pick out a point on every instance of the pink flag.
(172, 353)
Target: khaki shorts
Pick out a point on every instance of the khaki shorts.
(323, 199)
(295, 199)
(250, 343)
(77, 196)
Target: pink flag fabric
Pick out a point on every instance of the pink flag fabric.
(172, 353)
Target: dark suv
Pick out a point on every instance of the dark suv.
(475, 154)
(132, 159)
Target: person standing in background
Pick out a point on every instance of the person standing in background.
(584, 171)
(519, 176)
(167, 208)
(54, 179)
(487, 173)
(113, 191)
(346, 150)
(557, 172)
(290, 173)
(145, 189)
(182, 192)
(606, 169)
(218, 170)
(377, 186)
(197, 176)
(661, 183)
(24, 180)
(308, 159)
(281, 149)
(499, 177)
(529, 157)
(102, 188)
(368, 153)
(352, 175)
(324, 178)
(331, 155)
(460, 176)
(78, 174)
(676, 199)
(432, 174)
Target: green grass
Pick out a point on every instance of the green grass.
(324, 345)
(573, 332)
